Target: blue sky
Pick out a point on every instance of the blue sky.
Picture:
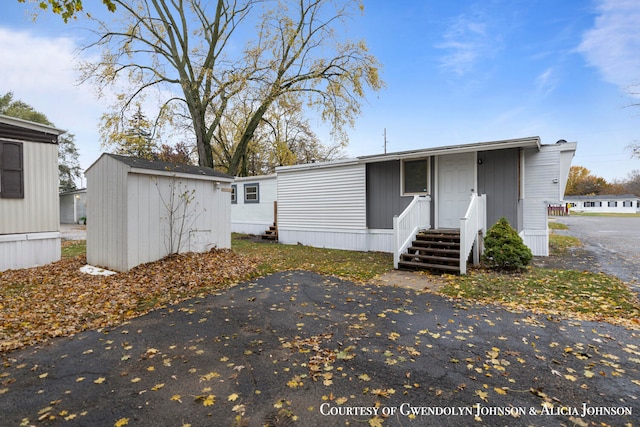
(456, 72)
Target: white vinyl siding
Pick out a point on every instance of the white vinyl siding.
(106, 218)
(322, 198)
(39, 210)
(254, 218)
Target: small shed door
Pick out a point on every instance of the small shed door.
(456, 181)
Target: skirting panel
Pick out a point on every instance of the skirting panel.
(355, 240)
(28, 250)
(537, 241)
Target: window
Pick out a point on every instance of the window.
(627, 204)
(252, 193)
(592, 204)
(612, 204)
(415, 177)
(234, 194)
(11, 170)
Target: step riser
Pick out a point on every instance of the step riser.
(433, 250)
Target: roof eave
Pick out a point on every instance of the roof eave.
(455, 149)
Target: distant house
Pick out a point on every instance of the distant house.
(140, 210)
(253, 204)
(73, 206)
(29, 213)
(382, 202)
(604, 203)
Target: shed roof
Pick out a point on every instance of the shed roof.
(24, 130)
(167, 167)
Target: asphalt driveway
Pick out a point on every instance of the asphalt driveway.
(614, 242)
(297, 348)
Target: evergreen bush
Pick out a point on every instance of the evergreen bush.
(504, 248)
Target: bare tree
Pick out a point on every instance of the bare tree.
(191, 48)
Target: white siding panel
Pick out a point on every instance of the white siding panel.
(354, 240)
(106, 214)
(247, 227)
(537, 241)
(39, 210)
(28, 250)
(331, 199)
(255, 213)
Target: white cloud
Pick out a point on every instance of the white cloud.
(612, 45)
(41, 72)
(466, 41)
(546, 82)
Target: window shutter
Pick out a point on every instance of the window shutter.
(11, 170)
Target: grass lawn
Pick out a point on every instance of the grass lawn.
(350, 265)
(622, 215)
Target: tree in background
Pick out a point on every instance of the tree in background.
(283, 138)
(133, 136)
(193, 50)
(632, 184)
(582, 183)
(68, 9)
(68, 163)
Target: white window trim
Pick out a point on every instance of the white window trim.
(421, 193)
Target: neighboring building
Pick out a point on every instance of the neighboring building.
(29, 212)
(604, 203)
(253, 204)
(73, 206)
(351, 204)
(141, 210)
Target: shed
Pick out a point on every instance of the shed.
(142, 210)
(73, 206)
(29, 212)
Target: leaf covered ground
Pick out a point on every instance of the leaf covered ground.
(60, 300)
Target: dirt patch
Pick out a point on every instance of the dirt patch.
(418, 280)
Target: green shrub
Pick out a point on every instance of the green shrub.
(504, 248)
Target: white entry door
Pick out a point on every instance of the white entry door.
(456, 181)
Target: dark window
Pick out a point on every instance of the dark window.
(613, 204)
(252, 193)
(416, 177)
(627, 204)
(11, 170)
(234, 194)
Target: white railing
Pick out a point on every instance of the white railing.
(472, 226)
(406, 225)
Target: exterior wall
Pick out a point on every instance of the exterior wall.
(354, 240)
(153, 217)
(106, 218)
(39, 210)
(498, 179)
(28, 250)
(322, 206)
(29, 233)
(383, 194)
(254, 218)
(73, 206)
(544, 184)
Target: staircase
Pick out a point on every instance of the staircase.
(271, 233)
(437, 250)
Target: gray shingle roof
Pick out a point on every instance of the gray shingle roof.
(159, 165)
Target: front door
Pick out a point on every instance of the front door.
(456, 182)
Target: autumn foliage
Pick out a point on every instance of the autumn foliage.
(504, 248)
(59, 300)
